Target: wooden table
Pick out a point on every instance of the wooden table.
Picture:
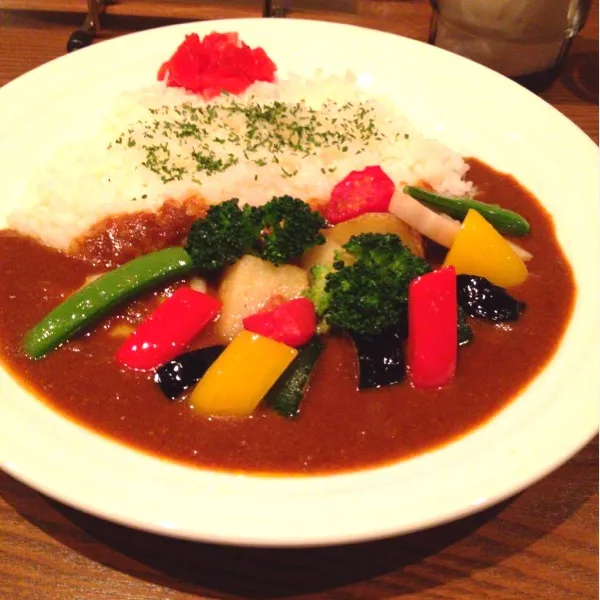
(542, 544)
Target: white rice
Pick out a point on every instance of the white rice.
(106, 177)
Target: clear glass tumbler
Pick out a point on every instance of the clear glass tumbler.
(518, 38)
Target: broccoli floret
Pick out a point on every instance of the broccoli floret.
(289, 228)
(279, 231)
(224, 235)
(316, 293)
(367, 291)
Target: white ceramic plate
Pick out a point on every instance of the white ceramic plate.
(471, 109)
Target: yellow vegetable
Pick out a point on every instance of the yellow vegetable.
(479, 249)
(242, 375)
(321, 255)
(340, 234)
(121, 330)
(376, 223)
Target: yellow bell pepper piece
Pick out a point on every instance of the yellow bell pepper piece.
(242, 375)
(479, 249)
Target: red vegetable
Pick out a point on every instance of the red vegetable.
(432, 329)
(366, 191)
(293, 323)
(219, 62)
(168, 330)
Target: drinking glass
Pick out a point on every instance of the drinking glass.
(518, 38)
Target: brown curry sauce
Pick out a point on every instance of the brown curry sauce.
(339, 428)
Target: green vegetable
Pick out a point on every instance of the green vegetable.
(289, 228)
(224, 235)
(98, 297)
(287, 393)
(505, 221)
(260, 132)
(316, 293)
(366, 292)
(465, 333)
(279, 231)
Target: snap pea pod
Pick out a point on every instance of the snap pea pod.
(101, 295)
(505, 221)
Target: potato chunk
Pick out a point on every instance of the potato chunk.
(321, 255)
(249, 284)
(377, 223)
(338, 235)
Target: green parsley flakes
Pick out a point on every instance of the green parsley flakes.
(211, 138)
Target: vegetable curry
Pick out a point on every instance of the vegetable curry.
(338, 428)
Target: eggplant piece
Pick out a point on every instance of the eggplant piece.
(480, 298)
(185, 370)
(380, 358)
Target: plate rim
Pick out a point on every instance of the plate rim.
(313, 537)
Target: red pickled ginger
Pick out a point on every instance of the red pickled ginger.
(220, 62)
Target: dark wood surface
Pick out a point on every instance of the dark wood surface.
(541, 544)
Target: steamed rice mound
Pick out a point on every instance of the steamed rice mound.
(297, 137)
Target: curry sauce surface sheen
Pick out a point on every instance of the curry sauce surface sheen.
(339, 428)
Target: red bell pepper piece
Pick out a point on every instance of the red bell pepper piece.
(168, 330)
(293, 323)
(369, 190)
(432, 329)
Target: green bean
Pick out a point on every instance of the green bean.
(505, 221)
